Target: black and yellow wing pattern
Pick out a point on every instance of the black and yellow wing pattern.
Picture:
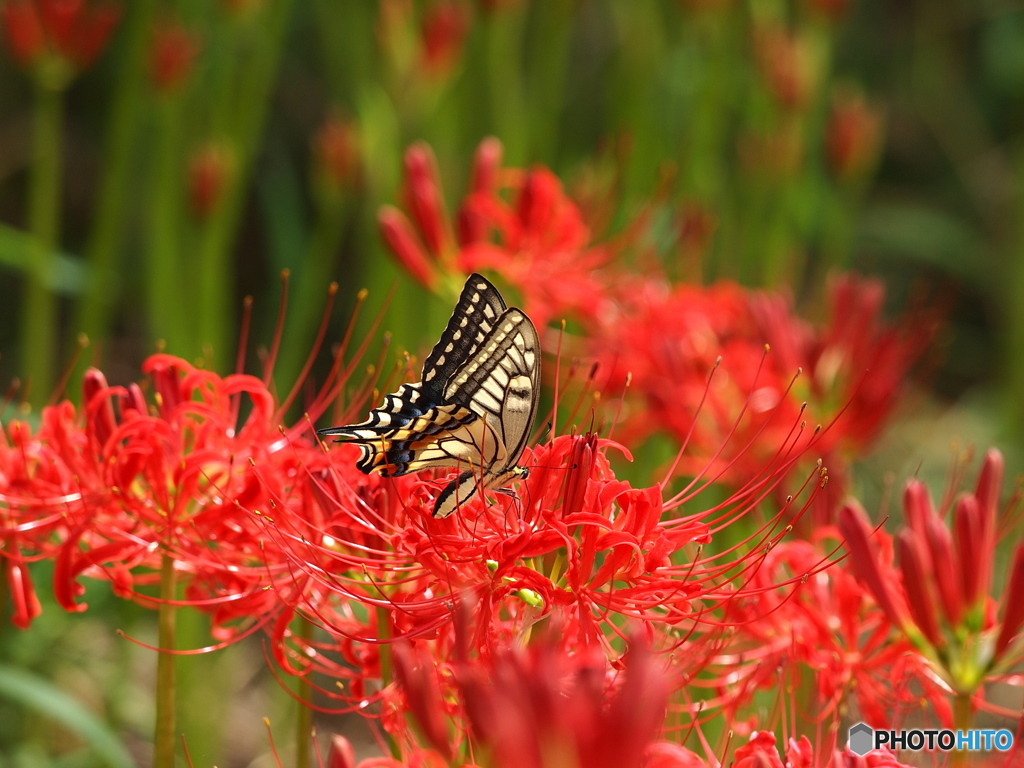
(473, 407)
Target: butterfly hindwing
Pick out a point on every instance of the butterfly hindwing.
(502, 381)
(472, 409)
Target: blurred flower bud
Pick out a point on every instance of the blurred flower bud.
(336, 152)
(208, 173)
(696, 225)
(787, 65)
(171, 55)
(852, 136)
(443, 32)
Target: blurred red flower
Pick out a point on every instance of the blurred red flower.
(171, 55)
(74, 32)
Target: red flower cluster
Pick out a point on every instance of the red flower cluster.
(577, 542)
(538, 243)
(107, 492)
(845, 375)
(555, 625)
(802, 614)
(939, 599)
(542, 705)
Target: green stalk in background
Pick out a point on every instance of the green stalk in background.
(637, 91)
(170, 318)
(245, 117)
(547, 58)
(39, 308)
(503, 51)
(96, 305)
(308, 291)
(1014, 308)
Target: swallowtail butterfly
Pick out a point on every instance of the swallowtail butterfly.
(473, 407)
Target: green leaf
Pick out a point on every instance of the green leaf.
(70, 273)
(36, 693)
(925, 235)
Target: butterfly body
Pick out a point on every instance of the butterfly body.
(473, 407)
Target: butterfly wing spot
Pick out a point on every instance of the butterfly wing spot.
(474, 405)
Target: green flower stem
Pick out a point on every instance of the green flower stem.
(39, 308)
(640, 25)
(503, 40)
(255, 78)
(308, 291)
(1014, 339)
(710, 40)
(545, 65)
(93, 311)
(963, 715)
(169, 318)
(164, 732)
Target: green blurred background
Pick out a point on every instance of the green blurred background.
(212, 145)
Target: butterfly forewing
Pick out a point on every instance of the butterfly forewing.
(473, 408)
(478, 309)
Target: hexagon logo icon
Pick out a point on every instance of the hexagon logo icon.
(861, 738)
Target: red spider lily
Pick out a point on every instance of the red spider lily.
(107, 492)
(423, 46)
(342, 755)
(854, 361)
(941, 601)
(70, 32)
(537, 241)
(665, 341)
(540, 705)
(825, 624)
(371, 564)
(761, 752)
